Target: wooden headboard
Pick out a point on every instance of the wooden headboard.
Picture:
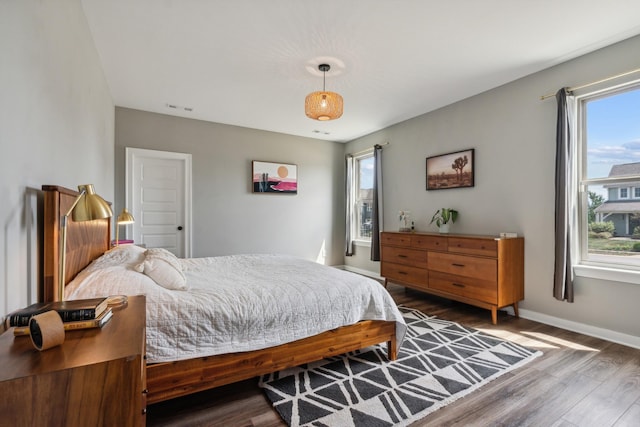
(86, 241)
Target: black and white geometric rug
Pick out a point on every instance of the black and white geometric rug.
(438, 363)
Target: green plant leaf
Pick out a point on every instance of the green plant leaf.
(444, 216)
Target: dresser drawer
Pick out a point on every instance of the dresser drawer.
(478, 289)
(485, 247)
(404, 256)
(466, 266)
(405, 274)
(429, 242)
(397, 239)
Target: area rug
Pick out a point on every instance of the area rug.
(438, 363)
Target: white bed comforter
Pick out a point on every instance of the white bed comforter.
(239, 303)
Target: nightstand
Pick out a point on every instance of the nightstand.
(96, 377)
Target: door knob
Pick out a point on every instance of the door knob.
(179, 228)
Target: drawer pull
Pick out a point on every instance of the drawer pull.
(403, 272)
(458, 285)
(457, 265)
(402, 256)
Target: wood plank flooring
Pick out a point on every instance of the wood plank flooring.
(579, 381)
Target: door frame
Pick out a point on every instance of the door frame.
(132, 153)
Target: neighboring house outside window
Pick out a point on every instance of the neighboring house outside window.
(363, 196)
(619, 208)
(365, 208)
(609, 184)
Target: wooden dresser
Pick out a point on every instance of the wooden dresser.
(95, 378)
(484, 271)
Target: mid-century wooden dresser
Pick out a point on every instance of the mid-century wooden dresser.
(484, 271)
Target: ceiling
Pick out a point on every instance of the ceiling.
(251, 63)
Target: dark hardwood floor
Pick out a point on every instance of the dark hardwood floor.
(579, 381)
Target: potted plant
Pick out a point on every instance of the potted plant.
(443, 218)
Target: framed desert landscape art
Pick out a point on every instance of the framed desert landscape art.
(275, 178)
(452, 170)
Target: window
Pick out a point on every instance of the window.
(609, 177)
(624, 193)
(363, 196)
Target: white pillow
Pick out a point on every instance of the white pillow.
(130, 255)
(164, 268)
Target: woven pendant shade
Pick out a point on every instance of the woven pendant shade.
(323, 105)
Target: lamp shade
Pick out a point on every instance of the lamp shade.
(323, 105)
(90, 206)
(125, 217)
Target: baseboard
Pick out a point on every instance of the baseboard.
(362, 271)
(593, 331)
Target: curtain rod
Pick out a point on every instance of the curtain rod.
(368, 149)
(617, 76)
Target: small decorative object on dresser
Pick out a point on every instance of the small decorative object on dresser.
(444, 218)
(484, 271)
(404, 219)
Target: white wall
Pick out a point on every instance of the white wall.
(56, 127)
(513, 133)
(227, 217)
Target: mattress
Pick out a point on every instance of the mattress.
(238, 303)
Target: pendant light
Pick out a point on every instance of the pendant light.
(323, 105)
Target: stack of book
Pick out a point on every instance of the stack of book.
(75, 314)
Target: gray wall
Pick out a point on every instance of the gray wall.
(513, 133)
(227, 217)
(55, 101)
(56, 127)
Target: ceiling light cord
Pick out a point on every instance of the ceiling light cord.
(324, 80)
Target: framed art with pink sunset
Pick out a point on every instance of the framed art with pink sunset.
(276, 178)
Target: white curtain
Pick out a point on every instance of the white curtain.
(566, 203)
(350, 211)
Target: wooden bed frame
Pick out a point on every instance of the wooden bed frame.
(88, 240)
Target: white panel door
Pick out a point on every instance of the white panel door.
(159, 197)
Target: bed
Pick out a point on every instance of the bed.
(201, 366)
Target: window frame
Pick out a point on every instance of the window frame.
(355, 191)
(583, 266)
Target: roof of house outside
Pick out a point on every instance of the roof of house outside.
(625, 169)
(618, 207)
(625, 185)
(366, 193)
